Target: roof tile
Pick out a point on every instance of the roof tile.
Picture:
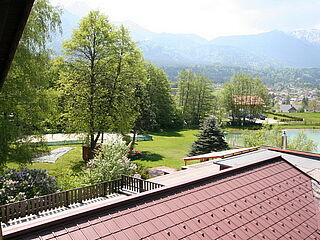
(77, 235)
(89, 232)
(64, 237)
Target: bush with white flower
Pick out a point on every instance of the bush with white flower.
(110, 162)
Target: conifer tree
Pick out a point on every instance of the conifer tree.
(210, 139)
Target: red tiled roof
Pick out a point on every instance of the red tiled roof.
(248, 100)
(270, 199)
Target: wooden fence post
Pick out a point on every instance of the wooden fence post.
(121, 182)
(104, 189)
(140, 185)
(1, 236)
(66, 203)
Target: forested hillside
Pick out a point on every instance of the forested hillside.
(305, 77)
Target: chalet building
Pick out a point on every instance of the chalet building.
(284, 108)
(248, 100)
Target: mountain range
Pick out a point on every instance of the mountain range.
(300, 48)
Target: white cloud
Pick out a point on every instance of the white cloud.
(208, 18)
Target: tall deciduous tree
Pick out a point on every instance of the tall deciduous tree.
(243, 96)
(103, 66)
(194, 96)
(161, 99)
(25, 98)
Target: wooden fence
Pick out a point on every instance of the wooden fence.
(137, 185)
(66, 198)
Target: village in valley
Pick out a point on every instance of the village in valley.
(294, 99)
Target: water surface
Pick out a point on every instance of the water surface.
(236, 139)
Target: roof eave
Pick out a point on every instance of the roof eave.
(21, 16)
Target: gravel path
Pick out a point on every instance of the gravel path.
(53, 155)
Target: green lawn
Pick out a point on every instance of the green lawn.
(311, 120)
(166, 149)
(72, 161)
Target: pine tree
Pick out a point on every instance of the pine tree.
(210, 139)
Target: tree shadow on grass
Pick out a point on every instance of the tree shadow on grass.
(150, 156)
(167, 134)
(78, 166)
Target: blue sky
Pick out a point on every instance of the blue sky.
(207, 18)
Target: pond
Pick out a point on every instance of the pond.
(236, 139)
(313, 134)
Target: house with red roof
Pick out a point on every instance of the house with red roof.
(247, 100)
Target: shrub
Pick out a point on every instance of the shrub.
(110, 162)
(16, 185)
(69, 180)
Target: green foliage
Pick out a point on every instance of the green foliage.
(303, 77)
(69, 180)
(270, 137)
(25, 98)
(195, 97)
(273, 137)
(244, 96)
(210, 139)
(302, 143)
(142, 171)
(110, 162)
(98, 83)
(17, 185)
(158, 107)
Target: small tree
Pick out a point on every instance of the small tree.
(210, 139)
(110, 162)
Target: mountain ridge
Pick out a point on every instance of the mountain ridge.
(298, 49)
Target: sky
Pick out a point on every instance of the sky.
(207, 18)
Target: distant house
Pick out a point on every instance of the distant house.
(248, 100)
(284, 108)
(297, 106)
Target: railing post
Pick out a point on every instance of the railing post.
(104, 189)
(122, 182)
(1, 235)
(140, 185)
(66, 203)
